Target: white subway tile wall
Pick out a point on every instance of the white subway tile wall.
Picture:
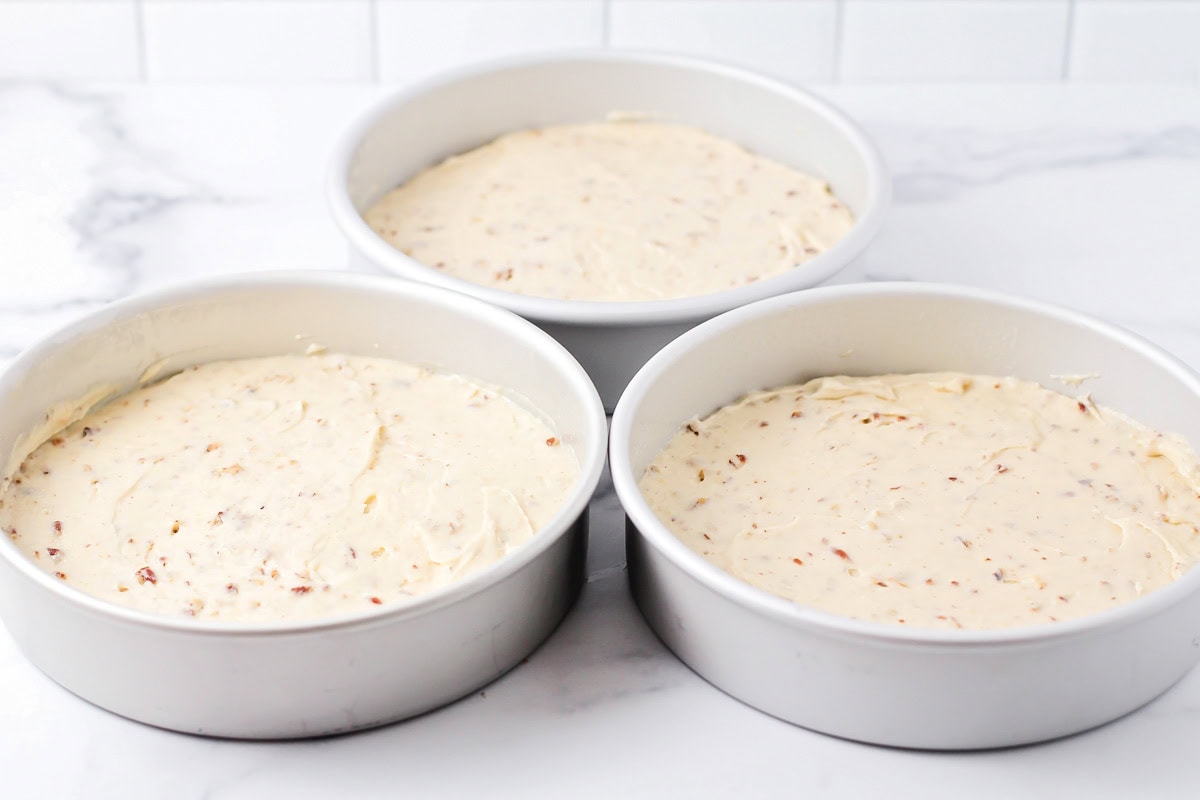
(83, 39)
(420, 37)
(395, 41)
(1152, 40)
(790, 39)
(952, 40)
(257, 40)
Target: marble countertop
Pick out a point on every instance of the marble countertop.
(1082, 195)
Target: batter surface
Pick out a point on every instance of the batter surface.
(611, 211)
(934, 500)
(286, 487)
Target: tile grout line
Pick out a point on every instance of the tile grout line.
(139, 23)
(373, 24)
(1069, 44)
(839, 13)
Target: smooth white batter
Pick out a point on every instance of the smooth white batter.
(933, 500)
(287, 487)
(611, 211)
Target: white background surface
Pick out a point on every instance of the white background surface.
(1076, 180)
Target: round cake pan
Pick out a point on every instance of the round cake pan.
(887, 684)
(419, 127)
(321, 676)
